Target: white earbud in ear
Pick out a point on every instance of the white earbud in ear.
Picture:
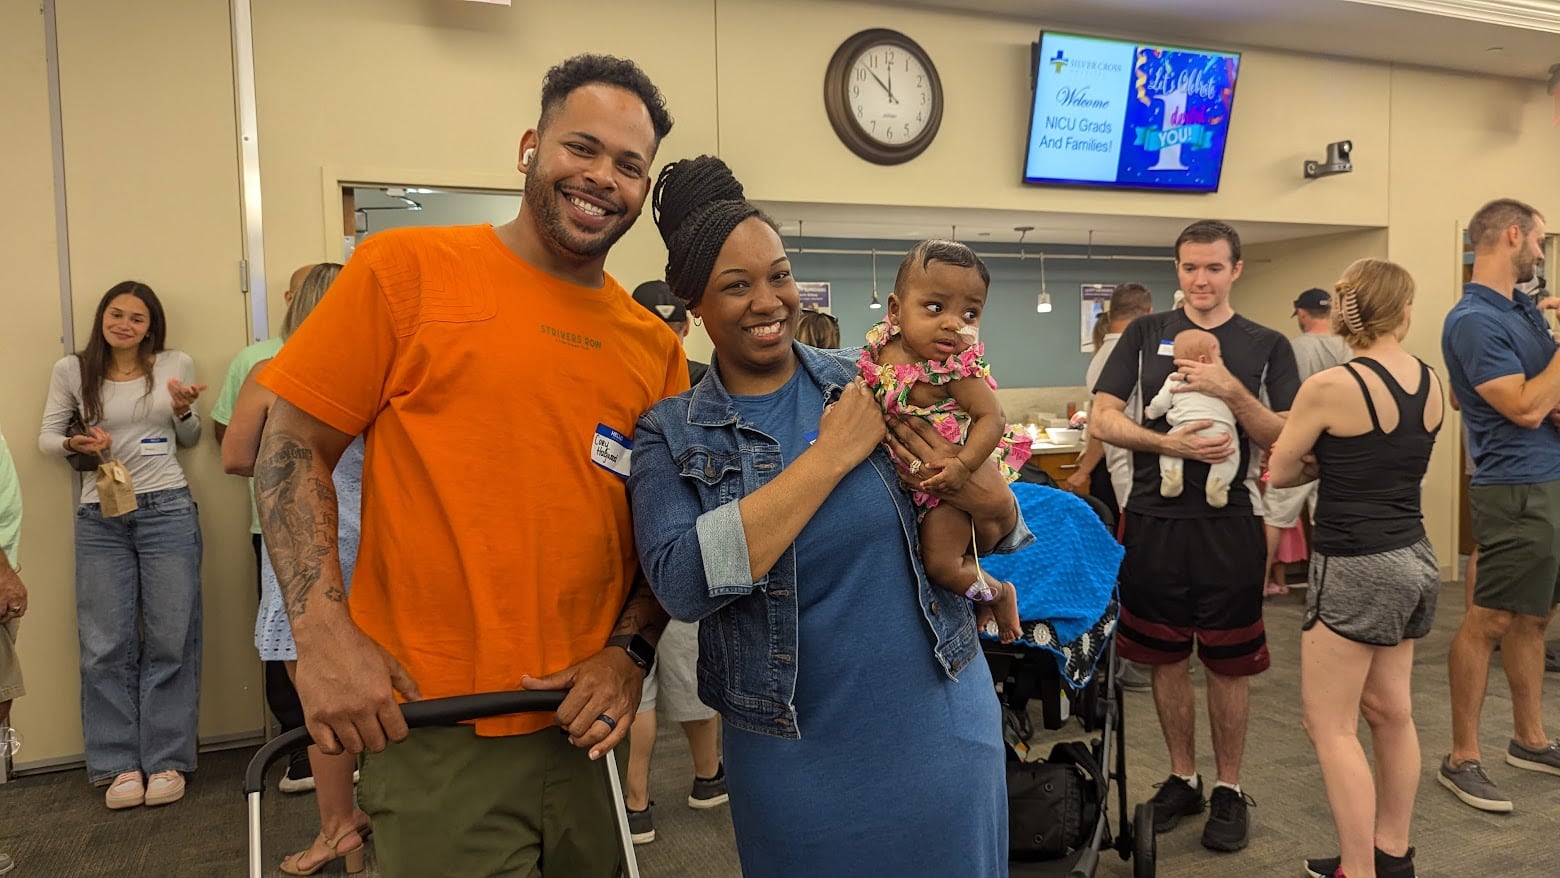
(529, 154)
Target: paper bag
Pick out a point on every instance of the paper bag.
(116, 494)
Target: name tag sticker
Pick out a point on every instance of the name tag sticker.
(611, 450)
(1166, 348)
(154, 446)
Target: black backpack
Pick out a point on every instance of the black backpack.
(1053, 805)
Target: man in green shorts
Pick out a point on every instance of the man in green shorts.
(1505, 372)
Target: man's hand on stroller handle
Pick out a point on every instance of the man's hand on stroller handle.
(347, 694)
(604, 693)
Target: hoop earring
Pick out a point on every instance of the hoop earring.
(697, 321)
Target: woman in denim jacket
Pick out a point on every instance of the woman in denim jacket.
(863, 735)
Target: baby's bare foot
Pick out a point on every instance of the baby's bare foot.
(1009, 627)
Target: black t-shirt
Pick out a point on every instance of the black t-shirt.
(1259, 357)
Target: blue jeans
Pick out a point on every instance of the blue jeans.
(138, 617)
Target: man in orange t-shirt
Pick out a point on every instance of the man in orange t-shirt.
(497, 373)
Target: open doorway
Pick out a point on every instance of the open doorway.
(370, 208)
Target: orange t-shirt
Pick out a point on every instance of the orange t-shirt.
(493, 543)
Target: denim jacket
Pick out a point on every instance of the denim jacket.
(693, 459)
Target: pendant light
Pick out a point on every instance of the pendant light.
(1043, 304)
(875, 304)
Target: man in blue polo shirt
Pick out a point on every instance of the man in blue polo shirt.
(1505, 372)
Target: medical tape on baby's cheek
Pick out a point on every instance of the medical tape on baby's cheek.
(970, 332)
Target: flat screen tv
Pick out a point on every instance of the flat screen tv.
(1129, 115)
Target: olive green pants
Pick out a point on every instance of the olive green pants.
(446, 802)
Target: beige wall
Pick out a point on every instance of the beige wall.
(775, 134)
(152, 194)
(29, 336)
(1276, 273)
(412, 91)
(418, 92)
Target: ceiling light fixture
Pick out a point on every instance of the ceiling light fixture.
(875, 304)
(1043, 304)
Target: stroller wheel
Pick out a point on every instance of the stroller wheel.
(1144, 847)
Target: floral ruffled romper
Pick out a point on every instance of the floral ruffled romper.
(892, 385)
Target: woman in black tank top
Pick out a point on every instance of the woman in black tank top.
(1365, 430)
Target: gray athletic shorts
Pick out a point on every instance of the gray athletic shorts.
(1378, 600)
(672, 687)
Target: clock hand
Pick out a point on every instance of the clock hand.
(880, 83)
(890, 86)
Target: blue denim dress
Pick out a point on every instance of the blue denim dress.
(898, 769)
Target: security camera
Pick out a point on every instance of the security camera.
(1337, 161)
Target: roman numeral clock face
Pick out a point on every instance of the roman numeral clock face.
(883, 96)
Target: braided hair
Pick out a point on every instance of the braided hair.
(696, 204)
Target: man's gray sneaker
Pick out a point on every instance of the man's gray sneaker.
(1545, 759)
(1469, 783)
(641, 825)
(709, 792)
(6, 863)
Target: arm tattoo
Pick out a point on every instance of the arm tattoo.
(642, 613)
(298, 516)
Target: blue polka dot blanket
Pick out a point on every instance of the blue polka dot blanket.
(1066, 578)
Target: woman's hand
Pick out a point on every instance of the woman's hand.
(852, 426)
(984, 495)
(183, 395)
(95, 441)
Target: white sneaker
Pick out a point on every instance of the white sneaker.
(164, 788)
(299, 776)
(125, 792)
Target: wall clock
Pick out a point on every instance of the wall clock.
(883, 96)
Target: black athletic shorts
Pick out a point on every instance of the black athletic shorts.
(1194, 581)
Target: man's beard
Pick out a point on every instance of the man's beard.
(543, 197)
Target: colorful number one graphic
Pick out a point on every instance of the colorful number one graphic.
(1175, 111)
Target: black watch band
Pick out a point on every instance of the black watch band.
(638, 649)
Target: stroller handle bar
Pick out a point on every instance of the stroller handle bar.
(418, 714)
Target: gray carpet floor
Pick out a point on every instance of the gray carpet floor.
(56, 825)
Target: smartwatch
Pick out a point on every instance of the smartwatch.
(638, 649)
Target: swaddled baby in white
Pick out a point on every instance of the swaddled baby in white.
(1188, 407)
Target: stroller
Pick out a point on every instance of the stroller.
(1059, 807)
(433, 712)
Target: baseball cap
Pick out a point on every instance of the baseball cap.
(1314, 300)
(656, 296)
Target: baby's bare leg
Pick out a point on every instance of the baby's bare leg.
(945, 545)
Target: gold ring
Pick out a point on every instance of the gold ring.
(915, 466)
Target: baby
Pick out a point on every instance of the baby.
(1188, 407)
(925, 360)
